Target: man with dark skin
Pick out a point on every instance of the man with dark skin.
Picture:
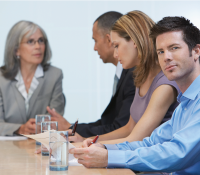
(117, 112)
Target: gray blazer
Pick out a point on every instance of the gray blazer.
(12, 104)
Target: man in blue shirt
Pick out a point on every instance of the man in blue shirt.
(175, 145)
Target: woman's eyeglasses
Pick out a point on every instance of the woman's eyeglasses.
(31, 42)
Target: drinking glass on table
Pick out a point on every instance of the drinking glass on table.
(59, 148)
(46, 126)
(38, 119)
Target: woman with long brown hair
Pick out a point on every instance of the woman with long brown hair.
(155, 97)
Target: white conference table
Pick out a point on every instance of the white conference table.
(18, 158)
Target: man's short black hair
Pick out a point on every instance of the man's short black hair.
(191, 34)
(106, 20)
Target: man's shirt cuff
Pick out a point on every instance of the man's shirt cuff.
(116, 159)
(111, 147)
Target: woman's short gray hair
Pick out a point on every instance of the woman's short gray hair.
(14, 38)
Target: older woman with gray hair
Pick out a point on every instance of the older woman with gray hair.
(28, 82)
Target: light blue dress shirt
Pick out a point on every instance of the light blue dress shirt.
(172, 147)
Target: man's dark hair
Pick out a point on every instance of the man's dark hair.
(106, 20)
(191, 34)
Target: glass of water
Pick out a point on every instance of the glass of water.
(58, 146)
(46, 126)
(38, 119)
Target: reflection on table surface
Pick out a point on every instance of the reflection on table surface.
(18, 158)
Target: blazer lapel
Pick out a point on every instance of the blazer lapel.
(20, 101)
(34, 96)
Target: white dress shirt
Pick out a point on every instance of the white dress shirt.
(119, 70)
(34, 84)
(117, 77)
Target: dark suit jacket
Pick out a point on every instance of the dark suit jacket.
(117, 112)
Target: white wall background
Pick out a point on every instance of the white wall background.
(87, 82)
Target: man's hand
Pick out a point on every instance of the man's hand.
(88, 141)
(91, 157)
(63, 124)
(75, 138)
(27, 128)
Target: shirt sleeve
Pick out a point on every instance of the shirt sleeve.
(162, 151)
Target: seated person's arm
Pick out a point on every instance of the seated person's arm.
(119, 133)
(97, 128)
(27, 128)
(11, 128)
(160, 101)
(162, 98)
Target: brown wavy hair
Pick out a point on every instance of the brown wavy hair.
(136, 25)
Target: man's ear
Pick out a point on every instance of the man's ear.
(108, 39)
(197, 52)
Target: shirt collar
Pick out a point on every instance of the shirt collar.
(38, 73)
(17, 77)
(119, 70)
(192, 91)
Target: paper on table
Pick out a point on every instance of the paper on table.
(13, 138)
(74, 162)
(44, 139)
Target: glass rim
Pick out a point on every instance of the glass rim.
(53, 131)
(42, 115)
(49, 122)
